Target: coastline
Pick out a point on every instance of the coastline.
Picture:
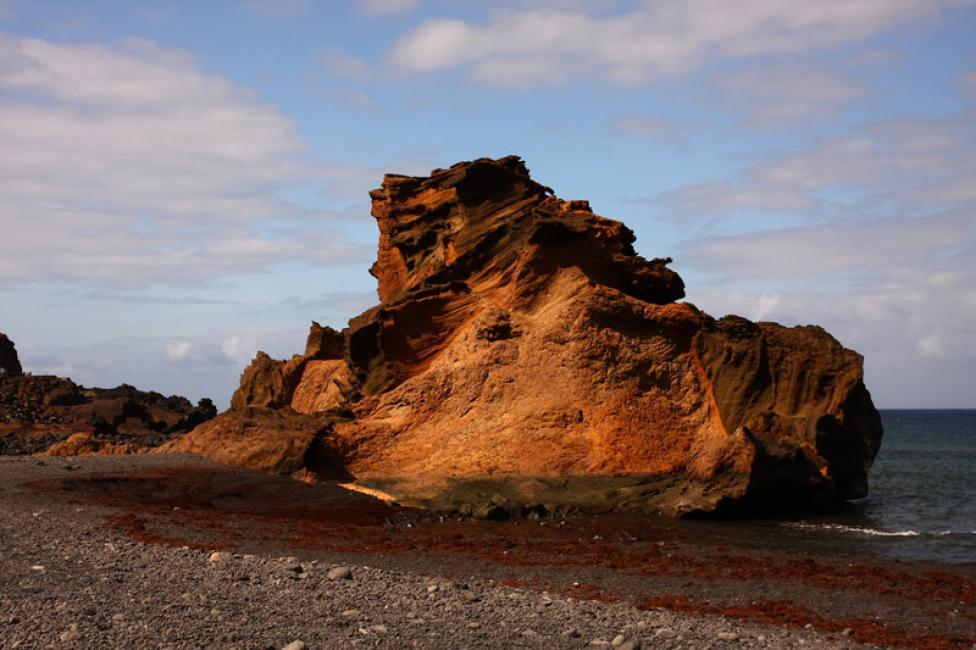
(173, 511)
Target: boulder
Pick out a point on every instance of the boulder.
(278, 441)
(524, 356)
(84, 444)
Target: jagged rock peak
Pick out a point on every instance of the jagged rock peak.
(9, 363)
(487, 223)
(323, 343)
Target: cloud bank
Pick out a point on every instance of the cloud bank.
(659, 37)
(128, 164)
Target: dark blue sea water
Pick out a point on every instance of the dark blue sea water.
(921, 505)
(922, 500)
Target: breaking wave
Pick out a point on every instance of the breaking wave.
(874, 532)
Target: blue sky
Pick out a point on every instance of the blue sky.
(184, 183)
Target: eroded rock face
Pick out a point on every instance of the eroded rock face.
(523, 353)
(37, 411)
(272, 384)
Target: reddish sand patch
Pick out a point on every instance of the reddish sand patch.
(788, 614)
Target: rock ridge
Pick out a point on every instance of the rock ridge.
(41, 411)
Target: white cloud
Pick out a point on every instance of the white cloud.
(930, 345)
(128, 164)
(344, 64)
(770, 95)
(644, 126)
(925, 164)
(380, 7)
(355, 100)
(767, 305)
(718, 197)
(178, 350)
(874, 247)
(660, 37)
(877, 57)
(237, 348)
(277, 9)
(968, 81)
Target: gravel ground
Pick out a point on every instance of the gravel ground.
(67, 580)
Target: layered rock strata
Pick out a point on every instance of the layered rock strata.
(524, 356)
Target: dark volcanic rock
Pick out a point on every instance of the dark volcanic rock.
(523, 350)
(37, 411)
(324, 343)
(9, 363)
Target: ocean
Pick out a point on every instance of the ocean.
(921, 504)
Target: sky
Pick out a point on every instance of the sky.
(184, 183)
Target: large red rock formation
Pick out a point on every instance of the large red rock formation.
(523, 354)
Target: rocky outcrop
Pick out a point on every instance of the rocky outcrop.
(37, 411)
(9, 363)
(85, 444)
(280, 441)
(321, 372)
(524, 356)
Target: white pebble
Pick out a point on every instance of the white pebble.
(339, 573)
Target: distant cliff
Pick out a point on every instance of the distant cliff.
(524, 356)
(37, 411)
